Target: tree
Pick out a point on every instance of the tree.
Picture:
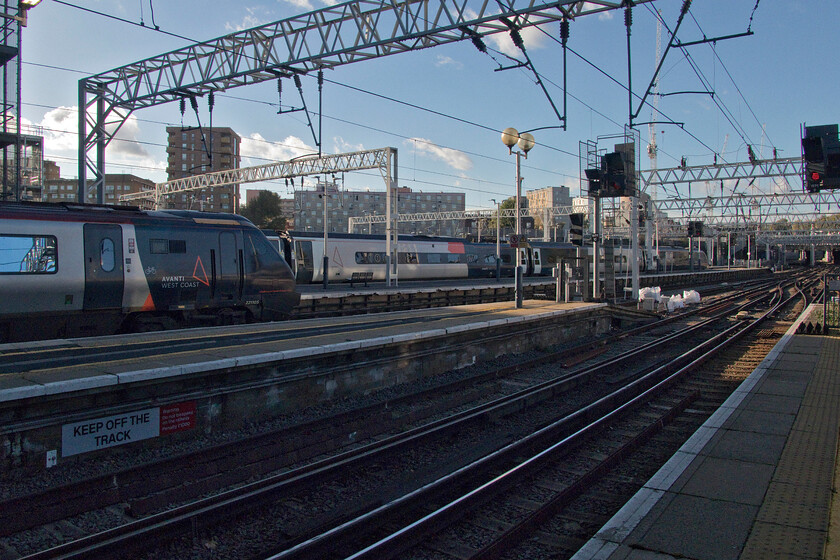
(265, 211)
(506, 223)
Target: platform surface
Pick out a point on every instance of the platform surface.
(755, 481)
(42, 368)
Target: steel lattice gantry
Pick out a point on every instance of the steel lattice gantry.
(321, 39)
(740, 209)
(798, 238)
(478, 214)
(384, 159)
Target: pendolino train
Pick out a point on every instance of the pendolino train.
(77, 270)
(423, 257)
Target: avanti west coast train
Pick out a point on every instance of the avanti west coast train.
(424, 257)
(77, 270)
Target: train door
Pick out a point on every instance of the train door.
(536, 261)
(104, 280)
(303, 262)
(228, 284)
(524, 256)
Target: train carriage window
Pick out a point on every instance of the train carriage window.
(159, 246)
(453, 258)
(408, 258)
(107, 258)
(177, 246)
(28, 254)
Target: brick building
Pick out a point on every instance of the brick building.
(188, 155)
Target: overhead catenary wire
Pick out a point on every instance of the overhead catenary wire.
(64, 2)
(364, 91)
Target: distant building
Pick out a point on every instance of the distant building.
(549, 197)
(187, 155)
(343, 205)
(51, 170)
(116, 184)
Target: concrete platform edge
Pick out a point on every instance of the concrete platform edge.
(28, 388)
(608, 539)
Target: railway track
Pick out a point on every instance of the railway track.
(137, 533)
(551, 502)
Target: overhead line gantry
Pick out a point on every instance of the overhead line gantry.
(317, 40)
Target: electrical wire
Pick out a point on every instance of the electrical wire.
(465, 121)
(737, 127)
(620, 84)
(123, 20)
(725, 69)
(278, 144)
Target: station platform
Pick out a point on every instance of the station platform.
(756, 480)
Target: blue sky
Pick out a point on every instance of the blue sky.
(765, 85)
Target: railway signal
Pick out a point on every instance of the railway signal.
(576, 229)
(821, 157)
(613, 178)
(594, 176)
(695, 229)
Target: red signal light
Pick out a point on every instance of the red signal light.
(815, 176)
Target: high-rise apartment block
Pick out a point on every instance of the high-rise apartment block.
(192, 151)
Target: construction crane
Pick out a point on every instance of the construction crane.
(652, 148)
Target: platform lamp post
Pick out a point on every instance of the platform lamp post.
(498, 240)
(326, 278)
(510, 138)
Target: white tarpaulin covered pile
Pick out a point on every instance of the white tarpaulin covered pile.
(650, 298)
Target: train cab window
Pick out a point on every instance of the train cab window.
(28, 254)
(107, 258)
(258, 252)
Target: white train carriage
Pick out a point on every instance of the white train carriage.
(419, 257)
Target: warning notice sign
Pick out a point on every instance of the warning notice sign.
(177, 418)
(110, 431)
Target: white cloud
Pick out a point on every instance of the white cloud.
(609, 14)
(531, 36)
(60, 127)
(262, 151)
(124, 154)
(453, 158)
(448, 61)
(341, 146)
(249, 20)
(303, 4)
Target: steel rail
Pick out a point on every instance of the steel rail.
(412, 534)
(115, 542)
